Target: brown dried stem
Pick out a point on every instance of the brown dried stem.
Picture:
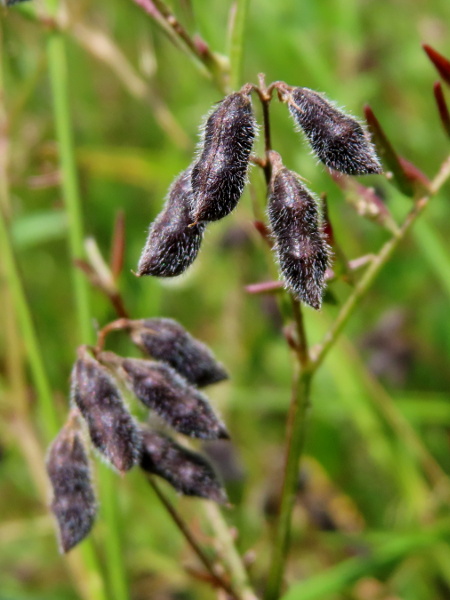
(216, 578)
(196, 48)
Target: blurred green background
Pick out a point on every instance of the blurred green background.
(136, 103)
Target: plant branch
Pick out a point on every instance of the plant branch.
(236, 568)
(295, 442)
(218, 579)
(240, 583)
(375, 266)
(296, 422)
(198, 50)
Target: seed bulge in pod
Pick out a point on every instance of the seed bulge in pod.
(112, 429)
(73, 501)
(178, 403)
(188, 472)
(300, 244)
(338, 140)
(173, 241)
(167, 340)
(219, 175)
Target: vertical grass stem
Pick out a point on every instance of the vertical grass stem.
(56, 54)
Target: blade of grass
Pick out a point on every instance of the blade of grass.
(387, 555)
(433, 248)
(57, 63)
(237, 40)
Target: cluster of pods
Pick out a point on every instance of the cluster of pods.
(210, 188)
(167, 384)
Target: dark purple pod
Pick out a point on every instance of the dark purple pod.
(173, 242)
(188, 472)
(180, 404)
(338, 140)
(167, 340)
(220, 174)
(12, 2)
(300, 243)
(73, 503)
(112, 429)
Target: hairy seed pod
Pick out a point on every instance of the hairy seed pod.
(11, 2)
(188, 472)
(180, 404)
(219, 176)
(173, 242)
(338, 140)
(112, 429)
(167, 340)
(73, 501)
(301, 247)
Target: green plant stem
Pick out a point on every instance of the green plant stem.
(375, 266)
(239, 577)
(47, 413)
(297, 421)
(237, 39)
(48, 417)
(56, 55)
(306, 368)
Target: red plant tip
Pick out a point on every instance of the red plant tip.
(201, 45)
(444, 112)
(413, 173)
(441, 63)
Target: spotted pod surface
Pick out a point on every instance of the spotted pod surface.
(112, 429)
(173, 241)
(165, 339)
(73, 503)
(338, 140)
(187, 471)
(179, 404)
(219, 175)
(300, 244)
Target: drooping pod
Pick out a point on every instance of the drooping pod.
(187, 471)
(176, 401)
(112, 429)
(220, 173)
(73, 503)
(173, 241)
(338, 140)
(167, 340)
(300, 244)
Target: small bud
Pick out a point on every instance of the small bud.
(338, 140)
(300, 244)
(219, 176)
(181, 405)
(188, 472)
(167, 340)
(73, 501)
(173, 242)
(111, 427)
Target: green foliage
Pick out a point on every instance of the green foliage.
(374, 507)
